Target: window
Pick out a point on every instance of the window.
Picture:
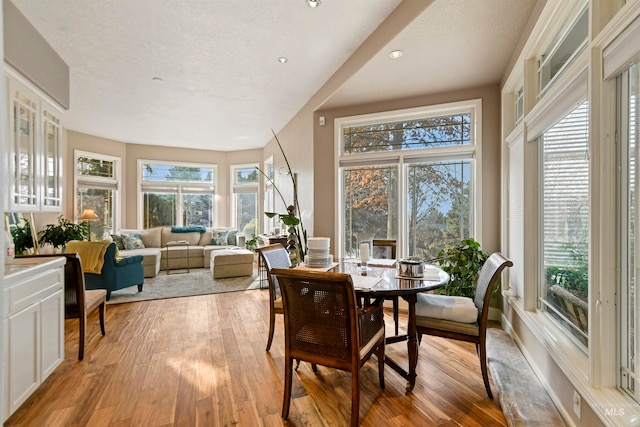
(269, 205)
(244, 209)
(409, 176)
(177, 193)
(96, 181)
(629, 96)
(564, 230)
(566, 46)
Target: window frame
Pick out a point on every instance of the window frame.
(176, 187)
(243, 189)
(403, 158)
(99, 183)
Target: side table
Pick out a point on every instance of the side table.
(177, 243)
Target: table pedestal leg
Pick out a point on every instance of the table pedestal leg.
(412, 339)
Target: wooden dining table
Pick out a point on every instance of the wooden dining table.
(372, 291)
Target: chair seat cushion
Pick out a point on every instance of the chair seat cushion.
(457, 309)
(93, 298)
(471, 329)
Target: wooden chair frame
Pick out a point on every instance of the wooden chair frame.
(273, 256)
(475, 332)
(395, 300)
(324, 326)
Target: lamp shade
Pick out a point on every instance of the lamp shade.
(88, 214)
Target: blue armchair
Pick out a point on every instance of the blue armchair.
(116, 273)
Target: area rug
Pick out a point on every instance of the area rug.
(196, 282)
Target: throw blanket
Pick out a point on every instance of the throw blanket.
(91, 254)
(188, 229)
(457, 309)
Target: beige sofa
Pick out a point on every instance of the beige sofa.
(158, 255)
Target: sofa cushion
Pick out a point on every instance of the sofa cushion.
(132, 241)
(117, 239)
(150, 237)
(205, 238)
(219, 238)
(168, 236)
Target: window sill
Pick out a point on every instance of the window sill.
(612, 406)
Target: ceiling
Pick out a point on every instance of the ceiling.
(205, 73)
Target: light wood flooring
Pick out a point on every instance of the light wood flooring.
(200, 361)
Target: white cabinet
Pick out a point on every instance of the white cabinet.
(33, 323)
(34, 135)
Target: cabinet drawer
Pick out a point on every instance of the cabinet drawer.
(34, 289)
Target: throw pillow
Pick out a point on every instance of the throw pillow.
(117, 238)
(132, 241)
(219, 238)
(231, 238)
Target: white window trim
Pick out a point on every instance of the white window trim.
(159, 186)
(402, 157)
(242, 188)
(98, 182)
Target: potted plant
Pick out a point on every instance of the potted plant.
(252, 243)
(463, 263)
(57, 235)
(22, 237)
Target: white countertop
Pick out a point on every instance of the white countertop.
(17, 267)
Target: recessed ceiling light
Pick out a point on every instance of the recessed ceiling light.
(395, 54)
(313, 3)
(282, 59)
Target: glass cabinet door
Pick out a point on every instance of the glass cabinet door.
(23, 112)
(51, 182)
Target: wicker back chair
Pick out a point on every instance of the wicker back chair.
(274, 256)
(324, 326)
(475, 332)
(79, 302)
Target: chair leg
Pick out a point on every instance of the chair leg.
(396, 314)
(482, 354)
(381, 364)
(355, 397)
(83, 328)
(272, 325)
(288, 378)
(314, 368)
(102, 309)
(108, 295)
(140, 287)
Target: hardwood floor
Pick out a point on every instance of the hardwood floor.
(200, 361)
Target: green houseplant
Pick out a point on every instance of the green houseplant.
(463, 263)
(252, 243)
(57, 235)
(22, 237)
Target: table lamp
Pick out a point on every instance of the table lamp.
(88, 215)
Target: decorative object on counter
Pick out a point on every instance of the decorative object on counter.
(22, 237)
(10, 249)
(88, 215)
(463, 263)
(318, 252)
(57, 235)
(290, 219)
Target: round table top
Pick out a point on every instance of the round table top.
(392, 284)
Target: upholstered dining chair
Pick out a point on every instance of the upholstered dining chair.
(79, 302)
(274, 256)
(324, 326)
(386, 249)
(461, 318)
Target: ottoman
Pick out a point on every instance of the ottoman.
(231, 263)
